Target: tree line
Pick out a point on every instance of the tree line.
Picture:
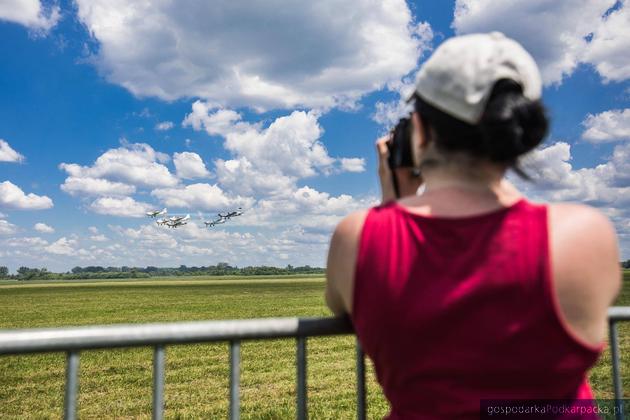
(100, 272)
(125, 272)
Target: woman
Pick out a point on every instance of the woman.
(469, 291)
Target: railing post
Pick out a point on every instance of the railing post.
(361, 407)
(614, 354)
(302, 411)
(158, 382)
(72, 385)
(235, 370)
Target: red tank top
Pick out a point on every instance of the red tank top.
(456, 310)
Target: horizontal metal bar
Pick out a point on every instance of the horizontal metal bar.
(134, 335)
(619, 313)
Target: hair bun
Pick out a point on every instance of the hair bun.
(511, 125)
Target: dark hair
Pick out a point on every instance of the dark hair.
(510, 126)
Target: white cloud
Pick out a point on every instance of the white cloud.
(556, 33)
(7, 228)
(353, 164)
(43, 228)
(206, 116)
(247, 178)
(192, 244)
(7, 154)
(119, 206)
(304, 207)
(148, 236)
(606, 183)
(388, 114)
(608, 49)
(606, 186)
(290, 145)
(262, 55)
(189, 165)
(12, 197)
(199, 197)
(265, 160)
(62, 246)
(29, 13)
(32, 242)
(296, 225)
(99, 238)
(607, 126)
(95, 186)
(164, 125)
(136, 164)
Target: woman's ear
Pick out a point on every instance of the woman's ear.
(418, 139)
(418, 130)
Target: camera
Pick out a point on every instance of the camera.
(401, 151)
(400, 145)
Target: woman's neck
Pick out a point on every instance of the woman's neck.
(482, 179)
(484, 187)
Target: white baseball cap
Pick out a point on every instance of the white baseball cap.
(458, 78)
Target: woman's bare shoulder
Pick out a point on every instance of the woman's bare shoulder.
(350, 226)
(342, 256)
(584, 248)
(579, 221)
(345, 239)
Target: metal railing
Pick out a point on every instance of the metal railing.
(616, 314)
(73, 340)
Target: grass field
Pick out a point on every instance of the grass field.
(118, 383)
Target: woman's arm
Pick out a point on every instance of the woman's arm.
(342, 257)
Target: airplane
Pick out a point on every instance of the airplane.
(179, 221)
(156, 213)
(231, 214)
(219, 221)
(179, 218)
(176, 224)
(162, 222)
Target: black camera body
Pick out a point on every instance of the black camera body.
(401, 153)
(400, 145)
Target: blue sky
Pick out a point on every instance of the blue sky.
(107, 111)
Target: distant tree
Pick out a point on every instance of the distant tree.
(77, 270)
(626, 264)
(26, 273)
(23, 271)
(4, 272)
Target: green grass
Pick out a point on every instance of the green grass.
(118, 383)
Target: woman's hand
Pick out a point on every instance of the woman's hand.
(384, 172)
